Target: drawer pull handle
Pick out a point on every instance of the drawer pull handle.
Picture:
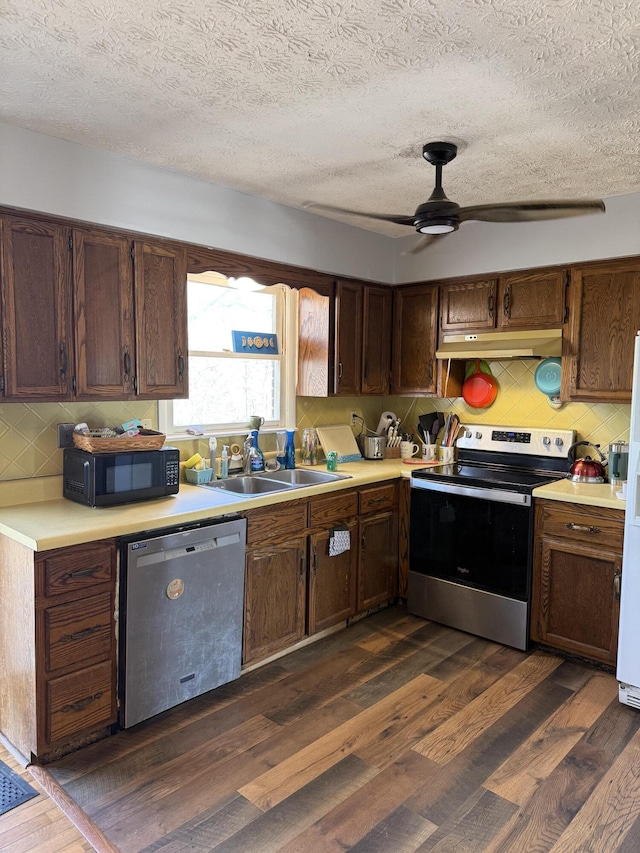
(616, 585)
(80, 635)
(583, 528)
(381, 500)
(82, 704)
(81, 573)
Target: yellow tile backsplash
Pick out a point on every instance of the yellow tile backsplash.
(28, 431)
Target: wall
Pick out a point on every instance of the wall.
(50, 175)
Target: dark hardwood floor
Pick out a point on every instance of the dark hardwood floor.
(393, 736)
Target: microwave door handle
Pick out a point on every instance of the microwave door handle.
(85, 469)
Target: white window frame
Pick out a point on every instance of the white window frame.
(287, 331)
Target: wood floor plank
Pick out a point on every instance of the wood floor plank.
(517, 779)
(405, 733)
(538, 825)
(611, 810)
(303, 808)
(290, 775)
(121, 818)
(402, 831)
(453, 783)
(386, 637)
(472, 826)
(357, 816)
(459, 731)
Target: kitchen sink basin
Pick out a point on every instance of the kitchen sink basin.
(302, 476)
(248, 485)
(270, 482)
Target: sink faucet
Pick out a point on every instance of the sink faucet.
(246, 458)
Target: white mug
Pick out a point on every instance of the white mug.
(446, 454)
(428, 453)
(408, 449)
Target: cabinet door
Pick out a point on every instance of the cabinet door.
(576, 599)
(376, 340)
(332, 581)
(160, 271)
(378, 564)
(274, 599)
(415, 332)
(471, 305)
(604, 316)
(531, 300)
(348, 337)
(314, 346)
(36, 309)
(103, 307)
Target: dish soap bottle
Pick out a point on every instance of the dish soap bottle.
(224, 462)
(256, 456)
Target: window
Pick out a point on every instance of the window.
(226, 387)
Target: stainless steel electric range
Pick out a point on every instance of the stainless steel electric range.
(471, 530)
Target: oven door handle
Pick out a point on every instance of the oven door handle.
(496, 495)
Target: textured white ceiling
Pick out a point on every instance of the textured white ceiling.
(298, 100)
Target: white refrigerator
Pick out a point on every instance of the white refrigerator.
(628, 672)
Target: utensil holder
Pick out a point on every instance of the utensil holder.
(446, 455)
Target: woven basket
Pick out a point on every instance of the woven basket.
(146, 440)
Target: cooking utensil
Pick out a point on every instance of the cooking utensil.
(586, 469)
(479, 390)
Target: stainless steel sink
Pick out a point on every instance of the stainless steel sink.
(302, 476)
(248, 485)
(269, 482)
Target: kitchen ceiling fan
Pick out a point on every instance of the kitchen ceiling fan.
(438, 215)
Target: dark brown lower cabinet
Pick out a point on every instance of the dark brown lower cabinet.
(275, 598)
(576, 579)
(332, 580)
(378, 562)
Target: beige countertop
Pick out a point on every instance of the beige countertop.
(590, 494)
(56, 523)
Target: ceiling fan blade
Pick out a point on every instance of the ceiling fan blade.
(425, 241)
(385, 217)
(531, 211)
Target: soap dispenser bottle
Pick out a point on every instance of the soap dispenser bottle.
(290, 450)
(224, 462)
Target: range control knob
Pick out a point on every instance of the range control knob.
(467, 433)
(558, 442)
(546, 441)
(478, 435)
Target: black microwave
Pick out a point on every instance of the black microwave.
(107, 479)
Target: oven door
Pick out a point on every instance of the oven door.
(470, 559)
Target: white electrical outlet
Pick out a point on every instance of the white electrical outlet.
(146, 423)
(354, 418)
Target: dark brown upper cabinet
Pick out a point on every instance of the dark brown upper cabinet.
(36, 309)
(160, 271)
(348, 337)
(531, 299)
(415, 333)
(376, 340)
(103, 303)
(598, 339)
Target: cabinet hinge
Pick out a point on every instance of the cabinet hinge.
(2, 383)
(73, 384)
(70, 243)
(131, 252)
(134, 383)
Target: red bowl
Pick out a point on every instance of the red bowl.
(479, 390)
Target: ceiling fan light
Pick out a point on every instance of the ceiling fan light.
(436, 228)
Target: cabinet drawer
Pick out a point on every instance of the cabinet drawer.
(377, 499)
(71, 569)
(277, 522)
(78, 631)
(584, 525)
(333, 508)
(81, 701)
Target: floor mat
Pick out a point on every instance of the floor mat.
(13, 789)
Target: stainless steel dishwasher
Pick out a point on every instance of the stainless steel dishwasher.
(181, 610)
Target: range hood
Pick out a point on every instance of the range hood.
(497, 345)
